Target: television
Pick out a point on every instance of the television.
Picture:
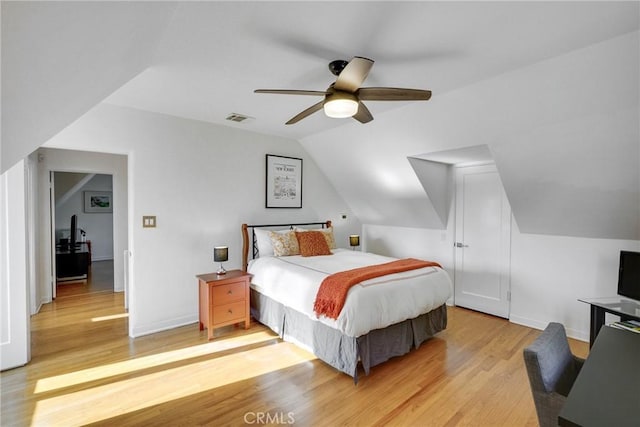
(629, 275)
(73, 232)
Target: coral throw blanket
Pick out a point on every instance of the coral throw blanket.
(333, 289)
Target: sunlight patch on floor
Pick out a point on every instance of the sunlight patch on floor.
(112, 317)
(145, 362)
(133, 394)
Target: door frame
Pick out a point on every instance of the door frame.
(52, 222)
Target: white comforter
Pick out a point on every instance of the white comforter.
(376, 303)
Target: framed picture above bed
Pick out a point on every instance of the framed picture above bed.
(284, 182)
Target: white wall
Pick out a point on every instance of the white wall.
(86, 162)
(202, 182)
(550, 273)
(406, 242)
(97, 225)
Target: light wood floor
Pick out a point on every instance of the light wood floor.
(99, 279)
(86, 370)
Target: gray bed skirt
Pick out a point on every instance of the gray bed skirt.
(338, 350)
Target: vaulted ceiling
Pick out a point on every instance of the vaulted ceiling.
(539, 83)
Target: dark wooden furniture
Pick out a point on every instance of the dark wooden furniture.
(224, 300)
(626, 308)
(72, 263)
(607, 390)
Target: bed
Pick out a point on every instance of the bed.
(382, 317)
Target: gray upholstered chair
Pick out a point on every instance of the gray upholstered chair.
(552, 369)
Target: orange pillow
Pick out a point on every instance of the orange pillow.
(312, 243)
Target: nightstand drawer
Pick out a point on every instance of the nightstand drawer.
(229, 312)
(225, 294)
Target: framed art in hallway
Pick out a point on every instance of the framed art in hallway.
(283, 182)
(98, 202)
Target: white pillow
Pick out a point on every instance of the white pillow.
(263, 240)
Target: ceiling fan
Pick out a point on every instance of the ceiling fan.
(344, 97)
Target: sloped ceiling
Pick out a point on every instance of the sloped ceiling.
(503, 74)
(564, 134)
(59, 59)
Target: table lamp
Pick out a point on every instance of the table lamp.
(221, 254)
(354, 240)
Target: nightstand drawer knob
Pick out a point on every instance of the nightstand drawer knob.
(230, 311)
(229, 292)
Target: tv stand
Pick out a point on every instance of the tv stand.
(626, 308)
(72, 263)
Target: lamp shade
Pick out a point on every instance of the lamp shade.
(220, 253)
(354, 240)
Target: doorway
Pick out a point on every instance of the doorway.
(483, 241)
(85, 266)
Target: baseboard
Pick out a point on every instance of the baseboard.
(39, 307)
(531, 323)
(536, 324)
(578, 335)
(163, 326)
(101, 258)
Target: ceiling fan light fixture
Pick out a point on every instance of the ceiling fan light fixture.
(339, 105)
(342, 97)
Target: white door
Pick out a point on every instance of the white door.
(483, 241)
(14, 314)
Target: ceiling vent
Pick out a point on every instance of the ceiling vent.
(239, 118)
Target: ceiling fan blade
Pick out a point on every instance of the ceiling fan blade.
(393, 94)
(291, 92)
(354, 74)
(363, 115)
(309, 111)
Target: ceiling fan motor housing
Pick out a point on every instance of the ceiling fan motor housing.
(337, 66)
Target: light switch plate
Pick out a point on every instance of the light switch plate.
(149, 221)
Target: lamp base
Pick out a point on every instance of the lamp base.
(221, 271)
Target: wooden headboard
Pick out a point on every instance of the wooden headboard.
(254, 246)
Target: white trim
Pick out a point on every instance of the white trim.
(163, 326)
(536, 324)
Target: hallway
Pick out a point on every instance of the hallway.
(100, 279)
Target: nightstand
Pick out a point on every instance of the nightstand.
(224, 300)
